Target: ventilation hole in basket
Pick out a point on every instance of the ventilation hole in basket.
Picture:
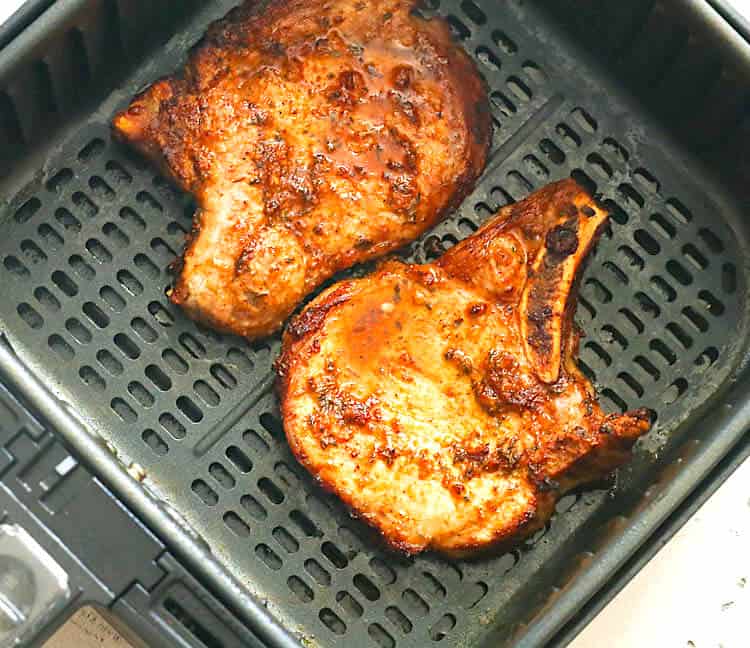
(91, 378)
(142, 395)
(287, 541)
(143, 330)
(318, 572)
(162, 316)
(367, 587)
(534, 72)
(679, 211)
(286, 475)
(674, 391)
(112, 298)
(147, 267)
(380, 636)
(172, 426)
(473, 12)
(239, 459)
(91, 150)
(647, 304)
(236, 524)
(600, 165)
(442, 627)
(116, 235)
(711, 303)
(587, 371)
(101, 189)
(109, 363)
(221, 475)
(162, 249)
(158, 445)
(175, 229)
(332, 621)
(300, 588)
(615, 150)
(502, 104)
(132, 219)
(500, 198)
(414, 603)
(95, 315)
(695, 318)
(611, 401)
(382, 571)
(632, 320)
(551, 151)
(568, 136)
(584, 180)
(27, 210)
(81, 268)
(663, 289)
(618, 274)
(146, 199)
(206, 393)
(604, 358)
(127, 346)
(66, 285)
(679, 335)
(630, 196)
(695, 257)
(349, 604)
(58, 181)
(535, 167)
(631, 383)
(272, 425)
(129, 282)
(647, 367)
(32, 252)
(432, 586)
(433, 247)
(158, 378)
(458, 29)
(661, 349)
(487, 57)
(713, 242)
(50, 237)
(78, 331)
(223, 376)
(117, 173)
(123, 410)
(30, 315)
(240, 360)
(505, 44)
(585, 121)
(188, 407)
(662, 225)
(400, 620)
(647, 181)
(646, 241)
(85, 205)
(586, 308)
(256, 442)
(270, 490)
(253, 507)
(477, 591)
(334, 554)
(706, 358)
(728, 278)
(47, 299)
(174, 361)
(192, 346)
(300, 520)
(206, 494)
(519, 89)
(600, 292)
(616, 213)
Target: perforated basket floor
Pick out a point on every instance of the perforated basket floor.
(85, 251)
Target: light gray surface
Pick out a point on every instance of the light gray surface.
(696, 591)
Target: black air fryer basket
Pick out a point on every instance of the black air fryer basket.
(643, 102)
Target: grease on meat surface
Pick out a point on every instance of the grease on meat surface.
(442, 402)
(314, 135)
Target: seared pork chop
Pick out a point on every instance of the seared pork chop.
(442, 402)
(314, 135)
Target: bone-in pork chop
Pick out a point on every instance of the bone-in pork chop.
(442, 402)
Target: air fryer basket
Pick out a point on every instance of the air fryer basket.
(642, 102)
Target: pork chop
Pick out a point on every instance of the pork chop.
(442, 402)
(313, 135)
